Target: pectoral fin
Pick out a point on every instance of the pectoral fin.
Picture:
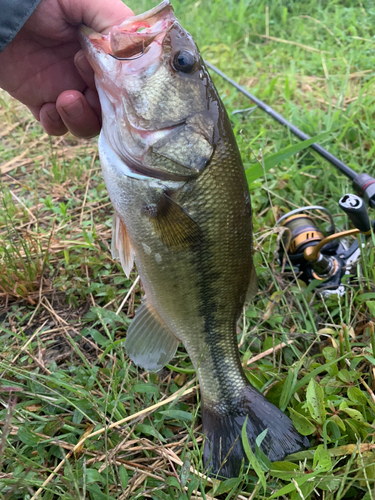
(172, 223)
(149, 343)
(120, 247)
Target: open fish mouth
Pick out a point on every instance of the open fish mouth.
(133, 38)
(128, 54)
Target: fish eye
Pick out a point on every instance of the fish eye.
(183, 61)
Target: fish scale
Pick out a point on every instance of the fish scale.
(175, 177)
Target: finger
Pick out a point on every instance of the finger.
(84, 69)
(77, 115)
(35, 110)
(93, 99)
(101, 16)
(50, 120)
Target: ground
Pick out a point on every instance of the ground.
(64, 374)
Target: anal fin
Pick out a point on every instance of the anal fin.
(149, 342)
(120, 247)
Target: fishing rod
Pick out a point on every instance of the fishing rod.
(326, 258)
(363, 183)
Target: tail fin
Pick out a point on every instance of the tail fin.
(223, 451)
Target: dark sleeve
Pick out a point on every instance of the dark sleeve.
(13, 15)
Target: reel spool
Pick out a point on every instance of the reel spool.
(303, 232)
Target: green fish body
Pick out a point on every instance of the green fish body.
(183, 214)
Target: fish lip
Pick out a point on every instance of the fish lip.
(92, 41)
(124, 41)
(148, 14)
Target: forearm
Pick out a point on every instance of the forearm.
(14, 14)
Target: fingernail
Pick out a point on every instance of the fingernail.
(53, 115)
(74, 109)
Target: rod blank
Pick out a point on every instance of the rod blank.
(295, 130)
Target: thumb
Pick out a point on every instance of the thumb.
(100, 16)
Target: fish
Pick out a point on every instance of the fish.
(182, 206)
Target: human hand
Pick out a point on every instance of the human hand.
(44, 68)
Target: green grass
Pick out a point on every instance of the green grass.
(63, 370)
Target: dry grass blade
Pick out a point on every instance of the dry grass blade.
(27, 343)
(301, 45)
(272, 350)
(324, 26)
(183, 392)
(128, 295)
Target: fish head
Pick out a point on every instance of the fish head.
(125, 58)
(151, 80)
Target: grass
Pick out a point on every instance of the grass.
(64, 376)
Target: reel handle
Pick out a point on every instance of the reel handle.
(355, 209)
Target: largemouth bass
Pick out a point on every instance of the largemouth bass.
(183, 214)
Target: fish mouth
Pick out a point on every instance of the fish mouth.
(132, 50)
(133, 37)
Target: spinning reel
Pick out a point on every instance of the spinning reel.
(309, 251)
(326, 258)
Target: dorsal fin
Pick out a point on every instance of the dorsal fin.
(120, 247)
(149, 342)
